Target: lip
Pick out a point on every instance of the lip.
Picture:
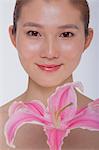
(49, 68)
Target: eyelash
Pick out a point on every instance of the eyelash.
(66, 35)
(33, 33)
(63, 35)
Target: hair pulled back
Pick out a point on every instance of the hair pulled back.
(81, 5)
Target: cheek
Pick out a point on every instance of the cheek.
(72, 50)
(29, 49)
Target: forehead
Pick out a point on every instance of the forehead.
(50, 11)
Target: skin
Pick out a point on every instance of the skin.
(49, 47)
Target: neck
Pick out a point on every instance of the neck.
(37, 92)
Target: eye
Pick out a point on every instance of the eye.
(67, 35)
(33, 33)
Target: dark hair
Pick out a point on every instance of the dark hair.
(81, 5)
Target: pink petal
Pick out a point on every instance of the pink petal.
(94, 106)
(15, 106)
(87, 118)
(55, 137)
(22, 116)
(63, 96)
(36, 107)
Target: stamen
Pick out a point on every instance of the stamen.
(61, 110)
(57, 114)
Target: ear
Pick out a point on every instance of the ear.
(88, 38)
(12, 35)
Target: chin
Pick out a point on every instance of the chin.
(50, 84)
(53, 81)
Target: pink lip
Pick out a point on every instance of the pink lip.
(49, 68)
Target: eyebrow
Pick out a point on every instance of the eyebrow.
(32, 24)
(66, 26)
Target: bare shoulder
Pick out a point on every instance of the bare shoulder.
(82, 138)
(4, 108)
(82, 99)
(4, 117)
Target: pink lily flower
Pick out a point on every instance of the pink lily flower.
(61, 116)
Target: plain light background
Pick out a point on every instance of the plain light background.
(13, 79)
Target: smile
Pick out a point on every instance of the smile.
(49, 68)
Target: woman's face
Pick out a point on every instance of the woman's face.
(50, 40)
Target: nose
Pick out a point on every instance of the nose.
(50, 50)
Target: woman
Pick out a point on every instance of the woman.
(50, 37)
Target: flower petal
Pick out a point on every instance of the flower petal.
(94, 106)
(15, 106)
(36, 107)
(62, 97)
(28, 114)
(55, 137)
(87, 118)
